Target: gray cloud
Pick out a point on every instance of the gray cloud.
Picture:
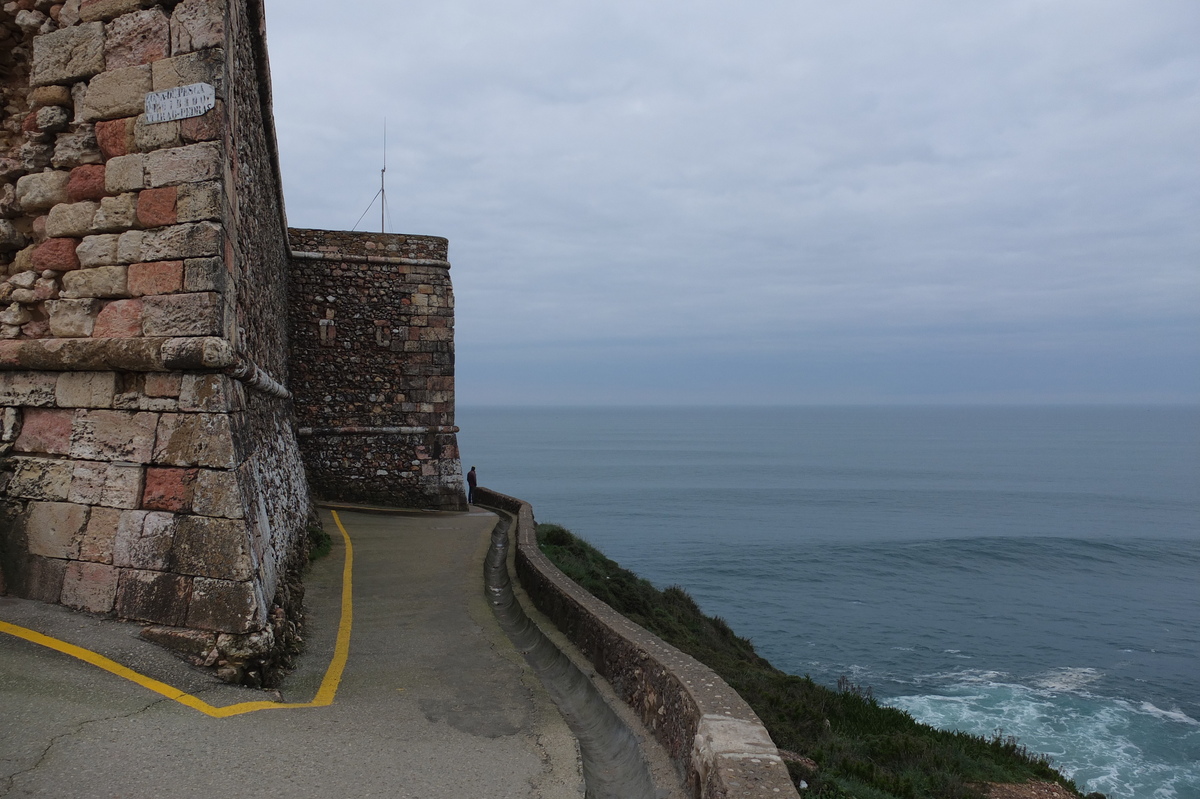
(776, 202)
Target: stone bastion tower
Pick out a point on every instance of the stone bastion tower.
(152, 466)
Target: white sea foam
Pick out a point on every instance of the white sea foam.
(1169, 715)
(1067, 679)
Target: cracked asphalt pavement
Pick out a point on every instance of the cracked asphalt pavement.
(434, 702)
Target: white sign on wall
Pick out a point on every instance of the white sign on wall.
(180, 103)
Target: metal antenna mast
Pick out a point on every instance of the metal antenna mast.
(382, 190)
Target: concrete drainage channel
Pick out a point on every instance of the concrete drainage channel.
(613, 765)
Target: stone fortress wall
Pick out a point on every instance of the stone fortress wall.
(149, 461)
(373, 368)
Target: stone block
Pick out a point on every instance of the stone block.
(192, 240)
(206, 66)
(10, 424)
(96, 545)
(160, 277)
(10, 238)
(41, 579)
(195, 439)
(153, 596)
(16, 314)
(86, 183)
(205, 392)
(68, 55)
(101, 281)
(116, 214)
(150, 136)
(92, 10)
(44, 430)
(168, 488)
(40, 478)
(198, 202)
(49, 95)
(53, 529)
(206, 127)
(125, 173)
(205, 274)
(191, 163)
(137, 38)
(85, 389)
(56, 254)
(182, 315)
(89, 586)
(98, 250)
(116, 137)
(156, 207)
(115, 485)
(196, 25)
(211, 547)
(76, 148)
(129, 246)
(163, 384)
(225, 606)
(71, 219)
(100, 435)
(72, 318)
(144, 540)
(217, 494)
(117, 93)
(119, 319)
(28, 388)
(42, 190)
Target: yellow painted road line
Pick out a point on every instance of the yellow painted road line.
(325, 694)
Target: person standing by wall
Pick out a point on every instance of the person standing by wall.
(471, 483)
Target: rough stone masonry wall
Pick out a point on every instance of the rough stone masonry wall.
(149, 467)
(373, 368)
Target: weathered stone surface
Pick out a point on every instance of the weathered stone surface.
(10, 238)
(68, 55)
(49, 95)
(129, 246)
(149, 136)
(42, 579)
(113, 436)
(28, 388)
(116, 214)
(225, 606)
(195, 25)
(198, 202)
(156, 207)
(204, 274)
(200, 67)
(85, 183)
(194, 439)
(52, 119)
(125, 173)
(206, 127)
(153, 596)
(120, 319)
(115, 485)
(101, 281)
(188, 642)
(144, 540)
(191, 163)
(159, 384)
(76, 148)
(42, 190)
(192, 240)
(56, 254)
(168, 488)
(116, 93)
(46, 431)
(72, 318)
(85, 389)
(217, 494)
(15, 314)
(182, 315)
(205, 392)
(96, 251)
(137, 38)
(92, 10)
(54, 528)
(160, 277)
(116, 137)
(96, 545)
(211, 547)
(40, 478)
(89, 586)
(71, 219)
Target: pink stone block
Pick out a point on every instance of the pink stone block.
(119, 319)
(160, 277)
(90, 586)
(159, 384)
(86, 183)
(115, 136)
(96, 544)
(56, 254)
(168, 489)
(137, 38)
(45, 430)
(156, 207)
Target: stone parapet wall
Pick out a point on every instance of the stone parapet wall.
(150, 467)
(715, 739)
(372, 347)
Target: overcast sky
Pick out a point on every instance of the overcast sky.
(773, 201)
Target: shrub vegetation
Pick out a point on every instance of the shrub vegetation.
(862, 749)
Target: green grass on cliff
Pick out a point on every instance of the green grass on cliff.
(862, 749)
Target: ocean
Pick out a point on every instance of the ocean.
(1023, 571)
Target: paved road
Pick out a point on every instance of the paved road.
(434, 700)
